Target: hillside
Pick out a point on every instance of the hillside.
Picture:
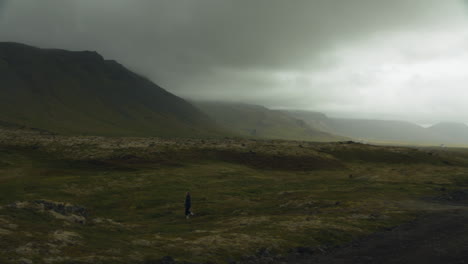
(454, 131)
(382, 130)
(261, 122)
(386, 131)
(316, 120)
(81, 93)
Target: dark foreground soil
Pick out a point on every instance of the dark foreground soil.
(440, 237)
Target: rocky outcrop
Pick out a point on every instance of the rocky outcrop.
(60, 210)
(63, 208)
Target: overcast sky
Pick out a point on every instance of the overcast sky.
(399, 59)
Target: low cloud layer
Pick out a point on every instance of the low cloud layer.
(360, 58)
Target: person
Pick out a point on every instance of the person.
(188, 205)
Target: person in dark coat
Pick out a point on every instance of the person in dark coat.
(188, 205)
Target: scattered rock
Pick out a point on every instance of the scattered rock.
(4, 231)
(25, 261)
(12, 226)
(28, 249)
(19, 205)
(64, 211)
(109, 222)
(66, 237)
(63, 208)
(53, 248)
(99, 220)
(142, 242)
(69, 218)
(55, 259)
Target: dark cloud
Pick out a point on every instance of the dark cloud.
(233, 33)
(254, 50)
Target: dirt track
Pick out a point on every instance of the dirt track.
(437, 237)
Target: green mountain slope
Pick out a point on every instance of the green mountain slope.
(81, 93)
(261, 122)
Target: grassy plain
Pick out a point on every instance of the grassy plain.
(248, 195)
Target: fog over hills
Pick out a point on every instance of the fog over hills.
(453, 132)
(387, 131)
(82, 93)
(402, 60)
(260, 122)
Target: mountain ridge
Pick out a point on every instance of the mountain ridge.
(79, 92)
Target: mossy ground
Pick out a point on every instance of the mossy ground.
(241, 206)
